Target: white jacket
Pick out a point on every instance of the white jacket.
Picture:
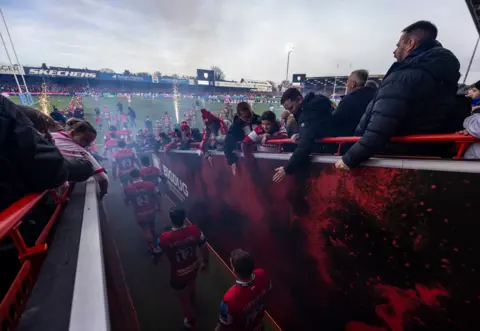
(472, 125)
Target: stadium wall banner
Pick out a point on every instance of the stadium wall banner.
(259, 85)
(233, 84)
(38, 93)
(204, 82)
(7, 69)
(263, 89)
(389, 253)
(72, 73)
(170, 81)
(122, 77)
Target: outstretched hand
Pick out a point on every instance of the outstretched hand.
(279, 174)
(341, 165)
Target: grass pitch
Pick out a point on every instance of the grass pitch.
(154, 109)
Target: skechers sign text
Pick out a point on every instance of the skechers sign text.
(62, 73)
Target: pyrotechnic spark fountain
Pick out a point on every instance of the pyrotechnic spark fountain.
(176, 100)
(44, 102)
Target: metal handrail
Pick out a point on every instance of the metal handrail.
(12, 216)
(31, 258)
(420, 138)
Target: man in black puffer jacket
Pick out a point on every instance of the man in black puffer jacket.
(313, 115)
(416, 96)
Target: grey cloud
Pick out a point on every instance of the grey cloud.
(246, 38)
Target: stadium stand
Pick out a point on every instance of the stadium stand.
(91, 292)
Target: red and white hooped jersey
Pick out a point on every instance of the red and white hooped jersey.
(69, 148)
(255, 137)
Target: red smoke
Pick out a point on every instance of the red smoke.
(401, 304)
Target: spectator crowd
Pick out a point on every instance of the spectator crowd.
(418, 95)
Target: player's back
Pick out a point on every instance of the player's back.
(150, 174)
(142, 196)
(111, 144)
(180, 246)
(243, 306)
(124, 132)
(125, 160)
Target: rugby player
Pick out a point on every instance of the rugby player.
(111, 145)
(149, 172)
(145, 199)
(180, 244)
(124, 161)
(243, 306)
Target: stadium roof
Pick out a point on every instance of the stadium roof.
(474, 7)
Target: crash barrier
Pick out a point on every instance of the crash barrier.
(462, 142)
(30, 258)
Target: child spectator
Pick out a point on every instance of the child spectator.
(164, 139)
(73, 143)
(270, 129)
(181, 138)
(472, 123)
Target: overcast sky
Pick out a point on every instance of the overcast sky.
(246, 38)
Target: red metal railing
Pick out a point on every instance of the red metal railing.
(462, 141)
(419, 138)
(31, 258)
